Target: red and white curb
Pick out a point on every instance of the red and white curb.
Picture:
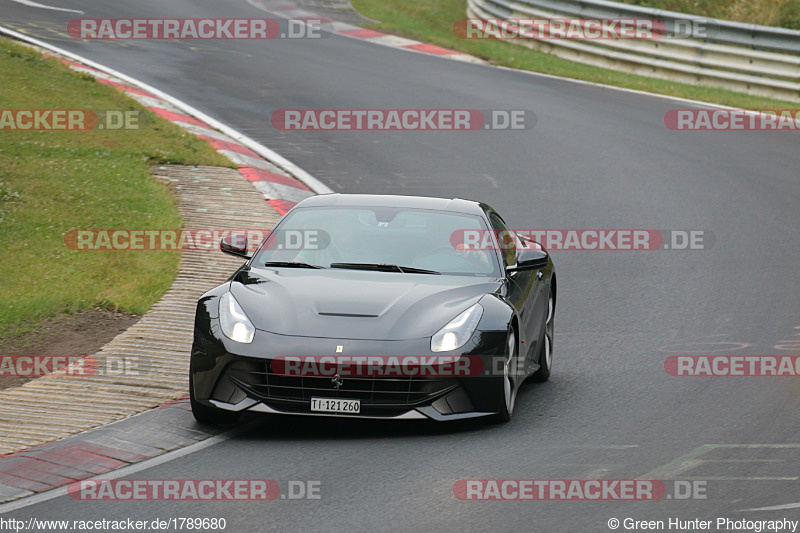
(282, 183)
(144, 440)
(281, 190)
(290, 11)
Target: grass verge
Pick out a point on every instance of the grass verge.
(432, 22)
(781, 13)
(54, 181)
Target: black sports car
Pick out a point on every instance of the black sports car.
(392, 307)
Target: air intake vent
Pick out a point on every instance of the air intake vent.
(351, 315)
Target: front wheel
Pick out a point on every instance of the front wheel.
(508, 393)
(546, 350)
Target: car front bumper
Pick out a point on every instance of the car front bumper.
(240, 377)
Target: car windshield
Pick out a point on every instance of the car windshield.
(391, 240)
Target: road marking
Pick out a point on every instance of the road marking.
(42, 6)
(775, 507)
(603, 446)
(491, 180)
(125, 470)
(676, 469)
(682, 347)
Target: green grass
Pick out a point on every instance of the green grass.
(54, 181)
(432, 22)
(782, 13)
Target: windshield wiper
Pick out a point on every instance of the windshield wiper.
(290, 264)
(383, 267)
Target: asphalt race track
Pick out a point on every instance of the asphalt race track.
(596, 158)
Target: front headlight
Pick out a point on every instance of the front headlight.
(235, 324)
(458, 331)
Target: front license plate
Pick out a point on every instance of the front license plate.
(335, 405)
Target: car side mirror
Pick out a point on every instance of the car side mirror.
(529, 259)
(235, 244)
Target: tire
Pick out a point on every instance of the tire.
(207, 414)
(505, 390)
(546, 350)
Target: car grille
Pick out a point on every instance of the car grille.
(257, 379)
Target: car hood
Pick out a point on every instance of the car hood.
(347, 304)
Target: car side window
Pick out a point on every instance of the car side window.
(505, 238)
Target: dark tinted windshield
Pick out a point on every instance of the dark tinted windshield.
(405, 237)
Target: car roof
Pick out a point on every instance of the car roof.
(456, 205)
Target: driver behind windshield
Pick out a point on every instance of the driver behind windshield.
(343, 245)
